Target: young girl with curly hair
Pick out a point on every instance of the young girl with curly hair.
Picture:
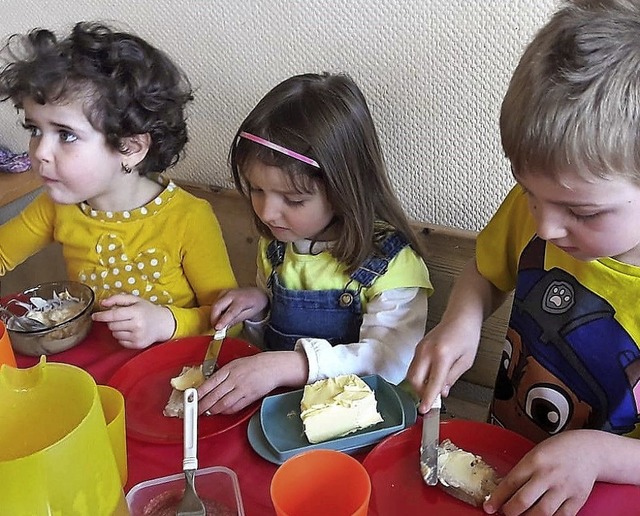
(105, 111)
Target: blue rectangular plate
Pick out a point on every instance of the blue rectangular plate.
(283, 430)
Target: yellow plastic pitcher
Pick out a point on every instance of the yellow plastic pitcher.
(56, 456)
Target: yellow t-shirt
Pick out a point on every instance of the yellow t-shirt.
(500, 244)
(323, 272)
(169, 251)
(571, 357)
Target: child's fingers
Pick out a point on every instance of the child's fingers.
(217, 313)
(228, 318)
(418, 372)
(223, 293)
(435, 384)
(221, 321)
(235, 314)
(455, 372)
(111, 316)
(219, 308)
(230, 313)
(429, 394)
(120, 300)
(212, 390)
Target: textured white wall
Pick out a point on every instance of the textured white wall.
(434, 72)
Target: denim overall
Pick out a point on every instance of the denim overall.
(334, 315)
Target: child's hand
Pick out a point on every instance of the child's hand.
(556, 477)
(237, 305)
(135, 322)
(440, 358)
(245, 380)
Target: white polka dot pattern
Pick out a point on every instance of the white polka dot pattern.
(121, 271)
(140, 275)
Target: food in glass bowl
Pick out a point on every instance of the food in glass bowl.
(217, 487)
(48, 312)
(167, 503)
(61, 316)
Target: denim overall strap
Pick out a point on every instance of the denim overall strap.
(296, 314)
(318, 314)
(334, 315)
(375, 266)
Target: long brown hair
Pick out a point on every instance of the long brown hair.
(326, 117)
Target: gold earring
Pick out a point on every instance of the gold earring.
(126, 168)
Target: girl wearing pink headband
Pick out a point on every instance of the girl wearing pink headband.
(341, 285)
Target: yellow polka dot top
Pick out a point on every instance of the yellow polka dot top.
(169, 251)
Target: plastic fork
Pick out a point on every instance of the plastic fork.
(190, 505)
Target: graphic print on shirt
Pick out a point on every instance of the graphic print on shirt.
(118, 272)
(567, 362)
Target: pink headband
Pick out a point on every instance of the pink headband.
(279, 148)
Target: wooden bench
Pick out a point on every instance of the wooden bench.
(447, 251)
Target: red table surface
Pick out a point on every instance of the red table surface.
(101, 356)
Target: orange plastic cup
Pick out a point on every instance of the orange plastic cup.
(6, 351)
(321, 482)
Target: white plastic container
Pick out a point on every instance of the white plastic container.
(217, 487)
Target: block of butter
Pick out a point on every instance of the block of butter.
(336, 407)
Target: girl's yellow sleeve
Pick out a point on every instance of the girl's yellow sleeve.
(206, 266)
(27, 233)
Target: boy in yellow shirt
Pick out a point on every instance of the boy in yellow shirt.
(566, 240)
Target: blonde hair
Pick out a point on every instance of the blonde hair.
(574, 98)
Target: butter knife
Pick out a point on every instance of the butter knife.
(211, 356)
(429, 444)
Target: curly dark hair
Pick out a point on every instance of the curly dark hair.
(128, 87)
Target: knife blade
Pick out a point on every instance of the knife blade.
(429, 444)
(213, 350)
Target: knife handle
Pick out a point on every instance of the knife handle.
(437, 403)
(190, 460)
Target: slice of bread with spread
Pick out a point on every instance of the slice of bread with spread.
(464, 475)
(188, 377)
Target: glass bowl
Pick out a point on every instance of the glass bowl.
(65, 328)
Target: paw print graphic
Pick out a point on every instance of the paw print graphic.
(558, 298)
